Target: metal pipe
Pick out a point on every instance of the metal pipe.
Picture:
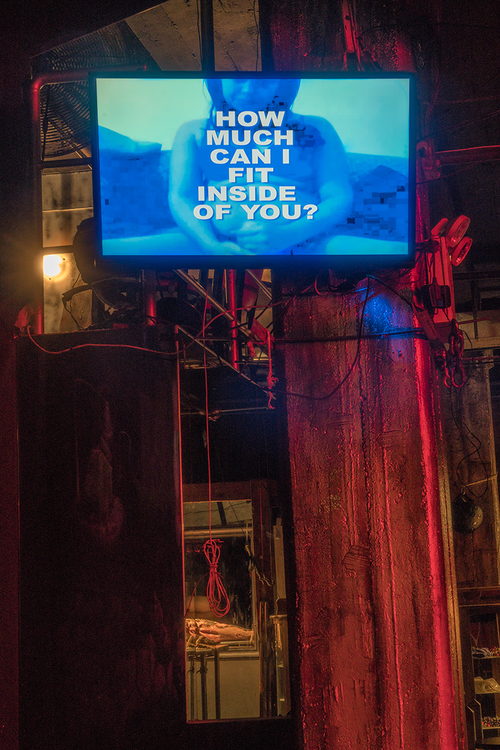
(192, 673)
(198, 288)
(233, 322)
(203, 677)
(231, 532)
(148, 290)
(207, 36)
(260, 284)
(221, 360)
(476, 154)
(217, 682)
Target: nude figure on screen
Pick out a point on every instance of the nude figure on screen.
(301, 164)
(252, 178)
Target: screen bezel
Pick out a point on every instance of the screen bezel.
(345, 262)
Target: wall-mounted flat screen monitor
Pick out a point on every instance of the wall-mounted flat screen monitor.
(254, 170)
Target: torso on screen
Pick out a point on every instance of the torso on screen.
(298, 174)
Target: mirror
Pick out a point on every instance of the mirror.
(237, 661)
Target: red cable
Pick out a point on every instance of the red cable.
(92, 346)
(218, 599)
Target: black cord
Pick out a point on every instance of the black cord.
(351, 367)
(475, 443)
(65, 304)
(391, 289)
(293, 296)
(468, 338)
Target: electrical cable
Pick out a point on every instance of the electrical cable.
(454, 128)
(288, 302)
(465, 168)
(468, 339)
(359, 335)
(454, 357)
(350, 369)
(65, 305)
(474, 441)
(201, 336)
(391, 289)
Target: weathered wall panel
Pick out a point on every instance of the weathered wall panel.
(471, 458)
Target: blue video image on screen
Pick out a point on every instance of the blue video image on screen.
(249, 167)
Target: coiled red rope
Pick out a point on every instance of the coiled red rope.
(216, 593)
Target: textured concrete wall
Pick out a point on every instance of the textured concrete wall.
(366, 471)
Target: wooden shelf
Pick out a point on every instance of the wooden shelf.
(485, 658)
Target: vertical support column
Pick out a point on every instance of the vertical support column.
(203, 679)
(148, 289)
(366, 476)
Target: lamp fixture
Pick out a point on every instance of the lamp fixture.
(54, 266)
(456, 231)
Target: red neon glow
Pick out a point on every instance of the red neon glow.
(426, 402)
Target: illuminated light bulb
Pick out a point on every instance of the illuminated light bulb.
(53, 266)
